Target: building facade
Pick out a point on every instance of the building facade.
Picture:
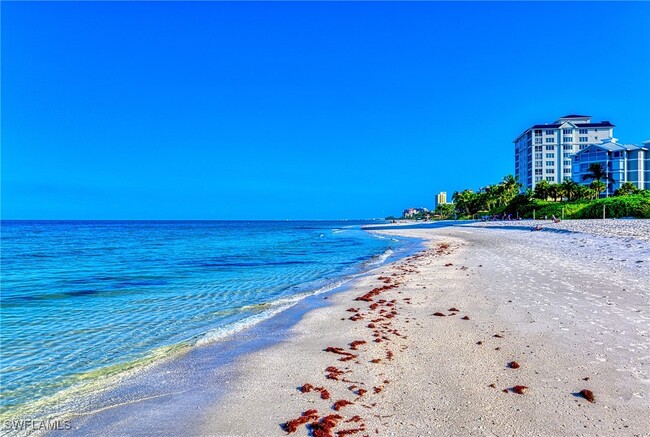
(545, 151)
(441, 198)
(623, 163)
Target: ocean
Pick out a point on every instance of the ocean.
(84, 300)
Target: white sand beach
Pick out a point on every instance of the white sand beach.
(571, 309)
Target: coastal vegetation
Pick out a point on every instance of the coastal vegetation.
(568, 200)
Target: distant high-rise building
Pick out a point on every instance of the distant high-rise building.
(441, 198)
(545, 151)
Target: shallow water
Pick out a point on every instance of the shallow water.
(82, 300)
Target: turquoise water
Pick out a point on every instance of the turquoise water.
(82, 299)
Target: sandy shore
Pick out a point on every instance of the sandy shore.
(572, 309)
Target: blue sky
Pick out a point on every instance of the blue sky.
(292, 110)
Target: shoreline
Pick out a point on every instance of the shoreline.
(131, 396)
(563, 324)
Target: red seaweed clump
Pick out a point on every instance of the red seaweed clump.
(324, 394)
(519, 389)
(323, 428)
(356, 343)
(513, 365)
(340, 404)
(361, 392)
(588, 395)
(439, 314)
(333, 373)
(354, 419)
(350, 431)
(377, 390)
(306, 388)
(307, 416)
(376, 361)
(465, 318)
(453, 310)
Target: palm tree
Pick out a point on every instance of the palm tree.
(570, 188)
(597, 172)
(464, 201)
(541, 190)
(626, 188)
(511, 187)
(598, 187)
(555, 191)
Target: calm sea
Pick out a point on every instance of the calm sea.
(81, 300)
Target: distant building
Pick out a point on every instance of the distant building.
(545, 151)
(623, 163)
(441, 198)
(410, 212)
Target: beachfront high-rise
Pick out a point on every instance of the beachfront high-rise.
(545, 151)
(441, 198)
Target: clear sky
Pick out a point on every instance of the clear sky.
(293, 110)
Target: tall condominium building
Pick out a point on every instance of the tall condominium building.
(544, 151)
(441, 198)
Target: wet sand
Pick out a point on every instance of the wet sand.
(571, 309)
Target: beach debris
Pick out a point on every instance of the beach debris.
(340, 404)
(493, 385)
(519, 389)
(585, 378)
(588, 395)
(389, 355)
(453, 310)
(465, 318)
(324, 394)
(356, 343)
(513, 365)
(479, 343)
(377, 390)
(438, 314)
(448, 265)
(323, 428)
(376, 361)
(350, 431)
(306, 388)
(305, 417)
(497, 336)
(333, 373)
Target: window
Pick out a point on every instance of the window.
(549, 132)
(550, 178)
(538, 178)
(538, 141)
(538, 148)
(549, 163)
(550, 155)
(550, 148)
(538, 171)
(584, 146)
(551, 140)
(617, 154)
(583, 139)
(538, 163)
(538, 156)
(583, 131)
(566, 171)
(567, 139)
(567, 162)
(538, 133)
(566, 131)
(568, 147)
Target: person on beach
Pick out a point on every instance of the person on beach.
(554, 219)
